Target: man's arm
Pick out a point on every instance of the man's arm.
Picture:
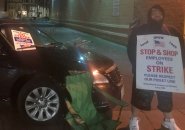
(131, 47)
(181, 39)
(175, 32)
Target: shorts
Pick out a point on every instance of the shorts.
(142, 99)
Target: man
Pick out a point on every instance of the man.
(141, 99)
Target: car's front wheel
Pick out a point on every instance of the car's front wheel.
(40, 101)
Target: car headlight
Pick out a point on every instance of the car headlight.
(99, 78)
(84, 57)
(81, 59)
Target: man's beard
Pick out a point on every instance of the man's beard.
(157, 24)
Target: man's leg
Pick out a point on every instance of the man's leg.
(165, 105)
(134, 111)
(169, 122)
(141, 99)
(134, 121)
(167, 115)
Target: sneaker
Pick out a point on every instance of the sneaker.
(134, 123)
(170, 124)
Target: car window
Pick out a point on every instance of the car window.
(26, 37)
(42, 37)
(22, 40)
(3, 49)
(3, 31)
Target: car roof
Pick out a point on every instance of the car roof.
(14, 22)
(9, 21)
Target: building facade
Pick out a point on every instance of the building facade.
(109, 19)
(112, 19)
(27, 8)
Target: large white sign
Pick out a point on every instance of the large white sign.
(22, 41)
(159, 63)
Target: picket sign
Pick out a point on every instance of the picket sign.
(159, 63)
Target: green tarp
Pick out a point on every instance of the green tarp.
(80, 89)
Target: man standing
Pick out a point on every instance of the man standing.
(141, 99)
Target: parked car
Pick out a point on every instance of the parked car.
(33, 68)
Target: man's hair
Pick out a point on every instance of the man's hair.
(158, 7)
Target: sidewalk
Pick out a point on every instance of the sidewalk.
(150, 120)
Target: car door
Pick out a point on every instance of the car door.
(8, 71)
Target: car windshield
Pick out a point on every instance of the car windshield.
(25, 36)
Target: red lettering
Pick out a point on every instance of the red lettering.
(148, 68)
(141, 51)
(170, 53)
(147, 51)
(160, 69)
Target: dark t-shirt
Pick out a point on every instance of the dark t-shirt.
(148, 29)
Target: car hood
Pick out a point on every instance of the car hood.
(74, 58)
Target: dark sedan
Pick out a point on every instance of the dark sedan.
(33, 68)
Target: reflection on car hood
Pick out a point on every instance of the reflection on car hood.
(71, 56)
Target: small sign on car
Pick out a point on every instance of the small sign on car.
(22, 41)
